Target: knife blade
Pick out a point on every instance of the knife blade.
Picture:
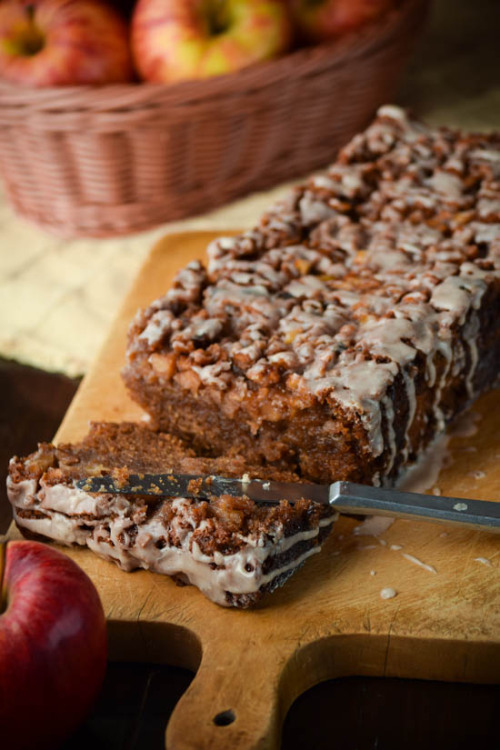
(345, 497)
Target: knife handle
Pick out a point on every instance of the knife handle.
(483, 515)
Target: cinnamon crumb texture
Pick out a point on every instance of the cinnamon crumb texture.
(346, 329)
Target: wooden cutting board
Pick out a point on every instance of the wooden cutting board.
(330, 619)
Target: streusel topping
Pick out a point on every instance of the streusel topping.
(346, 280)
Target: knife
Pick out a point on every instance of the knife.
(345, 497)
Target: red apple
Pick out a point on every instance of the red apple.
(173, 40)
(321, 20)
(63, 42)
(52, 646)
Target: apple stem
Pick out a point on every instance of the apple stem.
(217, 15)
(3, 591)
(31, 41)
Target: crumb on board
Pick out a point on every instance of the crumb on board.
(477, 474)
(195, 486)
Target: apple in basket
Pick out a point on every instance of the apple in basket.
(321, 20)
(173, 40)
(63, 42)
(52, 646)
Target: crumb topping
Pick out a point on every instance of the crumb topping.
(345, 283)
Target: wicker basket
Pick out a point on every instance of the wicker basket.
(84, 161)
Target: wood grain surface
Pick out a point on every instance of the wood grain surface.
(330, 619)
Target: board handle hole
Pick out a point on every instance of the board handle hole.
(224, 718)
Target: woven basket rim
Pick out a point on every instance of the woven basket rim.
(115, 97)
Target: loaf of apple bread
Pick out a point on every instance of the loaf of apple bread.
(343, 332)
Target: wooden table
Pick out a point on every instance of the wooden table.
(137, 699)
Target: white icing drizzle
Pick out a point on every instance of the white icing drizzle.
(362, 391)
(444, 348)
(389, 417)
(412, 407)
(458, 294)
(22, 494)
(416, 561)
(159, 325)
